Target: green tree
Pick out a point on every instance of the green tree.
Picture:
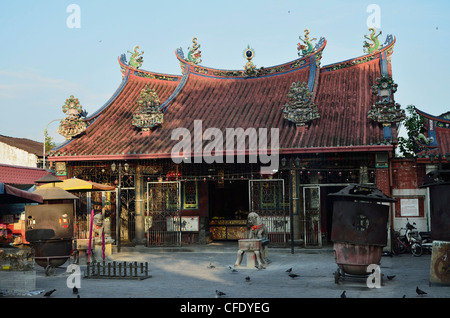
(49, 143)
(413, 124)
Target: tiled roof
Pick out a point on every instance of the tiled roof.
(28, 145)
(343, 96)
(10, 174)
(437, 128)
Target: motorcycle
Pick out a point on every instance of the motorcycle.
(426, 241)
(409, 242)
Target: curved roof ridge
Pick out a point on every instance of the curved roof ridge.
(429, 116)
(126, 68)
(279, 69)
(387, 47)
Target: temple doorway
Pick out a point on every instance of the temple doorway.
(228, 209)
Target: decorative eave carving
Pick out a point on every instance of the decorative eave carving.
(386, 111)
(300, 109)
(148, 115)
(73, 124)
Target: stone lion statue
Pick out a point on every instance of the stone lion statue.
(257, 229)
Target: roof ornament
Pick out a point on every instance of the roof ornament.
(375, 43)
(194, 54)
(136, 58)
(148, 115)
(308, 48)
(386, 111)
(300, 109)
(249, 67)
(73, 124)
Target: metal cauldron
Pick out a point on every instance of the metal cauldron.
(359, 228)
(438, 183)
(49, 230)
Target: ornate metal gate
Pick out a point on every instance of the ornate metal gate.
(267, 198)
(127, 215)
(310, 219)
(163, 221)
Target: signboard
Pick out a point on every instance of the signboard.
(409, 207)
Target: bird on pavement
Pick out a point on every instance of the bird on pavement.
(390, 277)
(343, 295)
(75, 290)
(247, 279)
(211, 266)
(47, 294)
(419, 291)
(219, 293)
(233, 270)
(292, 275)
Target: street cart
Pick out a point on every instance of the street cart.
(359, 229)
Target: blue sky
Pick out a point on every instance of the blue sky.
(43, 61)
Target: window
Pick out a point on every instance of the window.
(190, 195)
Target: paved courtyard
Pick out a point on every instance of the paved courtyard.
(186, 273)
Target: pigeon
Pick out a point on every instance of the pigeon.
(219, 293)
(292, 275)
(247, 279)
(419, 291)
(47, 294)
(390, 277)
(289, 270)
(343, 295)
(211, 266)
(233, 270)
(75, 290)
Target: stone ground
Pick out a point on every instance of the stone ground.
(183, 273)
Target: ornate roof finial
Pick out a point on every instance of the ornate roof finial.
(194, 54)
(249, 67)
(72, 125)
(308, 48)
(148, 115)
(300, 109)
(136, 58)
(375, 45)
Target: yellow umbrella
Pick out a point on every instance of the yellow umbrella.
(76, 184)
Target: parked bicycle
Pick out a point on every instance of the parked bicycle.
(408, 242)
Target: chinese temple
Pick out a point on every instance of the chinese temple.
(192, 154)
(433, 142)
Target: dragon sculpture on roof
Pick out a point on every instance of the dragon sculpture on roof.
(136, 58)
(375, 45)
(308, 48)
(194, 54)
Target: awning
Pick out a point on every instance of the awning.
(76, 184)
(55, 194)
(9, 194)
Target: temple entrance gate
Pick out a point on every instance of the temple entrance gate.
(163, 220)
(267, 199)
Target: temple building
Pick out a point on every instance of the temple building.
(192, 154)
